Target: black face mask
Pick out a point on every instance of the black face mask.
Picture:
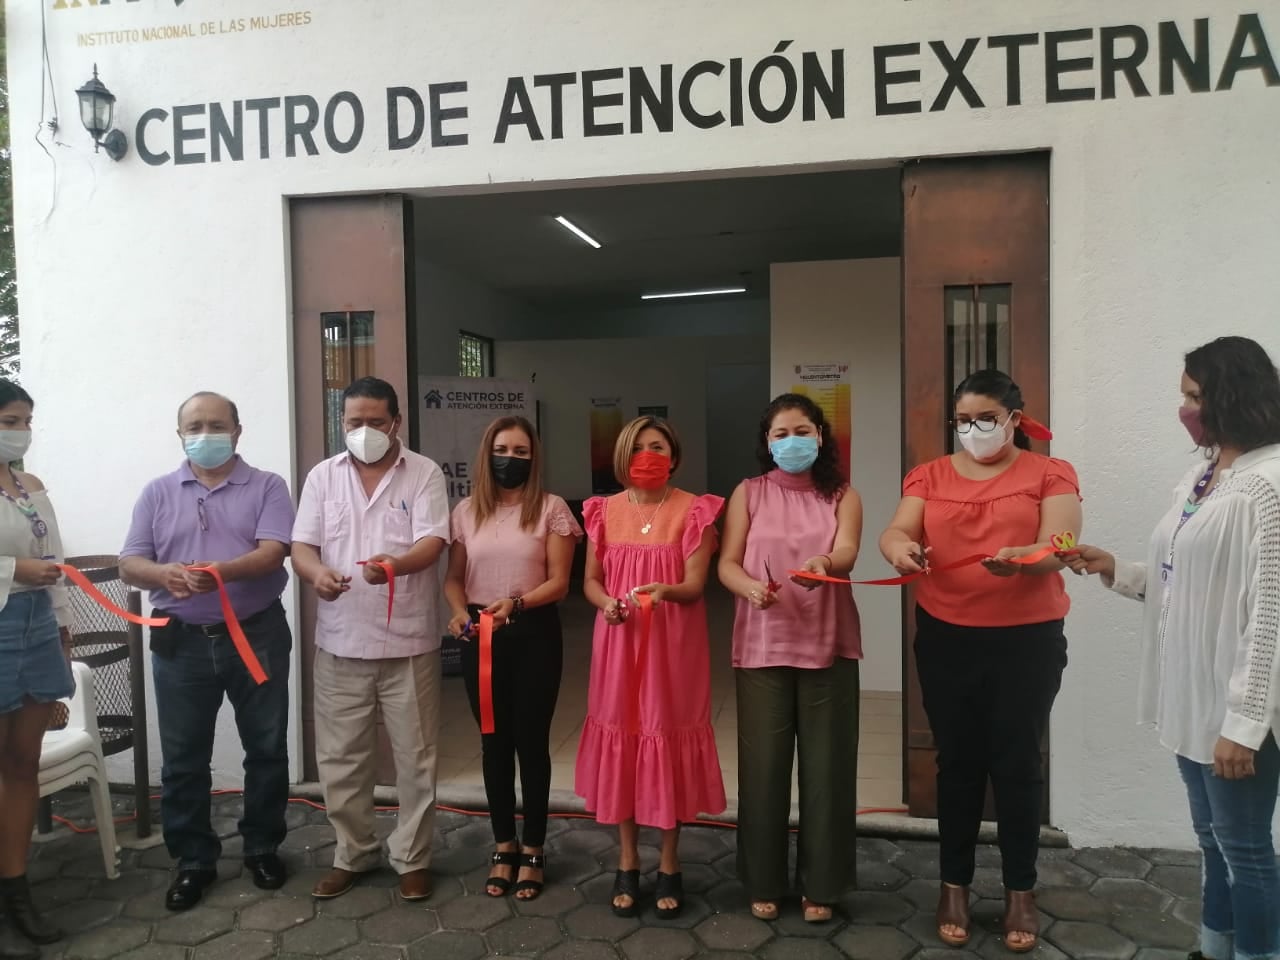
(510, 472)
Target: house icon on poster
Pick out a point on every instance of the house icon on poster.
(433, 399)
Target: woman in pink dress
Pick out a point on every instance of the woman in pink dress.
(648, 753)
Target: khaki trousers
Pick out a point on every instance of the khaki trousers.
(783, 711)
(348, 697)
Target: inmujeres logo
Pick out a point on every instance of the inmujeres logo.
(72, 4)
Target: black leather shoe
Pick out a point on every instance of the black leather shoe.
(22, 913)
(187, 888)
(268, 871)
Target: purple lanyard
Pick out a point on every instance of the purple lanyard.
(1196, 498)
(39, 529)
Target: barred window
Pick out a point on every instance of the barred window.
(475, 355)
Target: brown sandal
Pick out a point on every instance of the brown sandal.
(953, 911)
(815, 912)
(1021, 916)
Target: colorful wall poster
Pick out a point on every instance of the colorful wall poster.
(827, 385)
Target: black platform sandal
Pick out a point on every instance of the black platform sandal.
(501, 858)
(670, 886)
(626, 883)
(531, 861)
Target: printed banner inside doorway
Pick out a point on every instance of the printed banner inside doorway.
(827, 385)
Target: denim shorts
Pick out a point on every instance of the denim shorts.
(31, 661)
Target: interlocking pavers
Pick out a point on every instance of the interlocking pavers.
(1108, 904)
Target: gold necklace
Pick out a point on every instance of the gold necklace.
(647, 524)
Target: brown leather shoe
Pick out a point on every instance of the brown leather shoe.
(953, 911)
(415, 885)
(334, 884)
(1021, 916)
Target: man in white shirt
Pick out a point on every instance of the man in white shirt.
(378, 645)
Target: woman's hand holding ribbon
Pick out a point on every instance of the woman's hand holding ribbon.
(36, 573)
(615, 612)
(1005, 561)
(501, 611)
(656, 592)
(820, 565)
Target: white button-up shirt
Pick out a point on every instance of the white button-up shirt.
(1211, 628)
(334, 515)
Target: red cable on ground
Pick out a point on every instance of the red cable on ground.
(723, 825)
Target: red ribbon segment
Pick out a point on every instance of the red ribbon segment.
(249, 658)
(487, 724)
(102, 600)
(645, 601)
(969, 561)
(391, 582)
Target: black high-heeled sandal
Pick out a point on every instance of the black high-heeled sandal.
(626, 883)
(501, 858)
(531, 861)
(670, 886)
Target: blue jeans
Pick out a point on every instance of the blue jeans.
(191, 678)
(1241, 876)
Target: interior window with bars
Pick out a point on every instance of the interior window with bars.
(347, 355)
(475, 355)
(978, 335)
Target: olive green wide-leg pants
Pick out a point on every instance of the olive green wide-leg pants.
(780, 708)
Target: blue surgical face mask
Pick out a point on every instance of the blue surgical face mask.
(209, 450)
(794, 454)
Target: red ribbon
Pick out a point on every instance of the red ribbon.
(391, 582)
(645, 601)
(102, 600)
(487, 724)
(247, 656)
(1034, 429)
(969, 561)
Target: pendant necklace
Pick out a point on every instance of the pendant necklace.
(648, 524)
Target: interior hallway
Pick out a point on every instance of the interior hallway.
(879, 752)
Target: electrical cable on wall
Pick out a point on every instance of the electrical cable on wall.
(47, 86)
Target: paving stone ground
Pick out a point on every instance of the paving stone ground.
(1108, 904)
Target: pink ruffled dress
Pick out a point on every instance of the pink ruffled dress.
(648, 751)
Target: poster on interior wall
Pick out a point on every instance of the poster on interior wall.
(658, 410)
(827, 385)
(606, 424)
(453, 413)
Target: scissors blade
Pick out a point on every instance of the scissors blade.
(774, 585)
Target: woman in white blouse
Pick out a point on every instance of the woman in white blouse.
(35, 615)
(1210, 672)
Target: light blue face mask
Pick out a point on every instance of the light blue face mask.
(794, 454)
(209, 450)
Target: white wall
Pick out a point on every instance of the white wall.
(850, 310)
(141, 283)
(653, 370)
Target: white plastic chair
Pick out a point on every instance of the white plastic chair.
(74, 755)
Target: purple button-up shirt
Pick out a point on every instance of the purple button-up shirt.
(172, 525)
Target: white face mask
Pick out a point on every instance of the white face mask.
(14, 445)
(367, 444)
(985, 446)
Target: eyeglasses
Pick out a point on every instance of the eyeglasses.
(201, 515)
(984, 424)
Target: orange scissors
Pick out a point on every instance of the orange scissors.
(1064, 542)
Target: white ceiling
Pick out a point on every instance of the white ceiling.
(659, 236)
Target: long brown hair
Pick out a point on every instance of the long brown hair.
(484, 490)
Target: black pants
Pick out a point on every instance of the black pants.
(988, 693)
(527, 659)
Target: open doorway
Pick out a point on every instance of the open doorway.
(493, 284)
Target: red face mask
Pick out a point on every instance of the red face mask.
(1190, 417)
(649, 470)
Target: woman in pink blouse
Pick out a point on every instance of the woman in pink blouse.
(796, 649)
(511, 555)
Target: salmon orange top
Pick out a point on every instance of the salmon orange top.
(964, 517)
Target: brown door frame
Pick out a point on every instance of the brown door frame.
(968, 221)
(349, 253)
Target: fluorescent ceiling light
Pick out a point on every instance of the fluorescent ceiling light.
(575, 229)
(710, 292)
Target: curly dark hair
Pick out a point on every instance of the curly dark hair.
(1239, 393)
(828, 478)
(999, 386)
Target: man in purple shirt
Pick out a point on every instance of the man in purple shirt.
(216, 510)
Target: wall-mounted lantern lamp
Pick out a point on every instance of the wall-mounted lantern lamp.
(97, 104)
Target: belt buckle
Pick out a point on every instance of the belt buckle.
(213, 630)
